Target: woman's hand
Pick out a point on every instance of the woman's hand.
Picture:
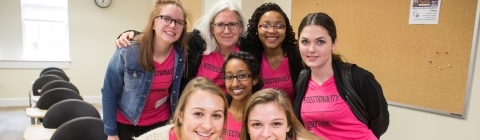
(124, 39)
(113, 137)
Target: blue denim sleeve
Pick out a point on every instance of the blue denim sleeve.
(112, 87)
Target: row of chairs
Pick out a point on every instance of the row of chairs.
(58, 106)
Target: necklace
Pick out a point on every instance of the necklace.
(273, 62)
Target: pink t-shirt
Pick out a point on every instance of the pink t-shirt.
(157, 106)
(234, 128)
(171, 135)
(211, 68)
(327, 115)
(279, 78)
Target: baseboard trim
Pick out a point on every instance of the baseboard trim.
(12, 102)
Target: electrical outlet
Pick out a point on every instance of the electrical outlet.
(1, 84)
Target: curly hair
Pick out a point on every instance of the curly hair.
(252, 64)
(287, 45)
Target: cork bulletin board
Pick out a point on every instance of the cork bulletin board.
(423, 67)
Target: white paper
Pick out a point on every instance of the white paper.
(424, 11)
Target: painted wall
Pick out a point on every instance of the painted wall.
(92, 32)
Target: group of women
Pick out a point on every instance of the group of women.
(276, 87)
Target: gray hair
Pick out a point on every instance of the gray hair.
(204, 24)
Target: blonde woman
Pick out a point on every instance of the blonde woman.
(201, 114)
(269, 115)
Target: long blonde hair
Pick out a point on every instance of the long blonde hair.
(196, 84)
(148, 34)
(279, 98)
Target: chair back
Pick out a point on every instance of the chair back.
(83, 128)
(50, 68)
(59, 84)
(56, 95)
(57, 73)
(67, 110)
(41, 81)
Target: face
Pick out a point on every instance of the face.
(169, 32)
(227, 38)
(316, 46)
(239, 89)
(272, 37)
(203, 116)
(267, 122)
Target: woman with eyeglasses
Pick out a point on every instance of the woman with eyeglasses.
(141, 86)
(218, 33)
(241, 75)
(270, 31)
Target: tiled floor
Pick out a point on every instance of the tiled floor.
(14, 121)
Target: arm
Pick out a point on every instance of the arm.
(124, 38)
(112, 87)
(372, 95)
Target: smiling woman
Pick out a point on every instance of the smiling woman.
(129, 108)
(200, 114)
(269, 115)
(241, 74)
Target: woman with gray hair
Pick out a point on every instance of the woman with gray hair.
(218, 33)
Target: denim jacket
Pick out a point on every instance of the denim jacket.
(127, 85)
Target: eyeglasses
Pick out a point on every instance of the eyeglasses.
(267, 27)
(240, 77)
(167, 21)
(231, 25)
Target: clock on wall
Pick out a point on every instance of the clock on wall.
(103, 3)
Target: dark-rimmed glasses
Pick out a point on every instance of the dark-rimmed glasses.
(167, 21)
(267, 27)
(231, 25)
(240, 77)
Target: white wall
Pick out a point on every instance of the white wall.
(11, 30)
(92, 32)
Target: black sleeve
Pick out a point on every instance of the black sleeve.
(372, 95)
(134, 32)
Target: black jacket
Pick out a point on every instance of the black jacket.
(366, 87)
(196, 46)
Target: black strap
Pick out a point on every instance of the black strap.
(353, 100)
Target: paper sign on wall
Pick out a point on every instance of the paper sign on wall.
(424, 11)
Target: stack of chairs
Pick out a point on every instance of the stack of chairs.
(55, 82)
(62, 115)
(56, 105)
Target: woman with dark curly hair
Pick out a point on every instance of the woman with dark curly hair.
(269, 30)
(241, 74)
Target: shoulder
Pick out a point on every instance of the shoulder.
(161, 133)
(134, 46)
(359, 72)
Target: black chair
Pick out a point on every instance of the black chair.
(56, 95)
(67, 110)
(57, 73)
(59, 84)
(41, 81)
(50, 68)
(83, 128)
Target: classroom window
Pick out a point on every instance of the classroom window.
(45, 30)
